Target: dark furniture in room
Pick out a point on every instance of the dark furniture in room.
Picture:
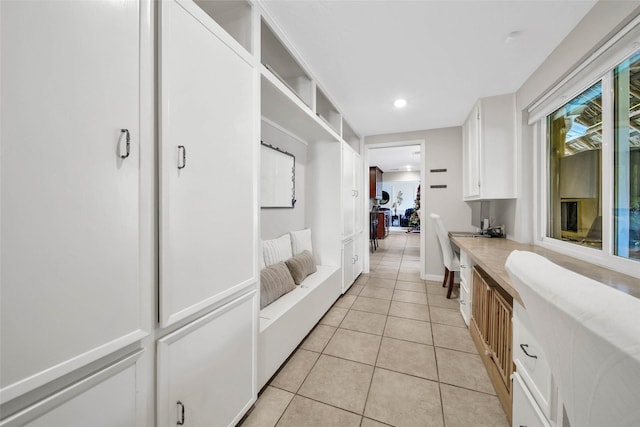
(375, 183)
(404, 219)
(384, 221)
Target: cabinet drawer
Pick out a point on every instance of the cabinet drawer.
(466, 266)
(525, 410)
(465, 301)
(530, 361)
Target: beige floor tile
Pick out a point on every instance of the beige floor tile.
(453, 338)
(442, 301)
(410, 277)
(375, 292)
(411, 286)
(372, 305)
(409, 310)
(362, 279)
(446, 316)
(363, 321)
(436, 290)
(381, 283)
(463, 408)
(366, 422)
(318, 338)
(292, 375)
(403, 400)
(384, 273)
(408, 296)
(269, 408)
(345, 301)
(308, 413)
(463, 370)
(408, 357)
(409, 330)
(338, 382)
(390, 263)
(355, 290)
(353, 345)
(334, 316)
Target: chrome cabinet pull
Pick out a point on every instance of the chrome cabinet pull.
(524, 348)
(181, 165)
(180, 413)
(127, 143)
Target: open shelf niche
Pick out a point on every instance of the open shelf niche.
(234, 16)
(277, 59)
(350, 137)
(326, 111)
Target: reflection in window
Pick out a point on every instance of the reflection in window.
(575, 142)
(627, 159)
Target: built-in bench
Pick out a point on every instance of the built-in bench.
(285, 322)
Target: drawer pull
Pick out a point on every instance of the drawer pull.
(524, 348)
(181, 413)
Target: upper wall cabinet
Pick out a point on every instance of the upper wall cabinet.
(350, 137)
(489, 156)
(71, 211)
(327, 112)
(208, 150)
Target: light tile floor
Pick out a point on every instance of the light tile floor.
(391, 351)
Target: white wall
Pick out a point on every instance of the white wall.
(443, 151)
(275, 222)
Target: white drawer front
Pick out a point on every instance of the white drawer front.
(525, 411)
(530, 361)
(466, 266)
(465, 301)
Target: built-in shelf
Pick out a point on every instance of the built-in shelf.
(349, 136)
(326, 111)
(277, 59)
(282, 107)
(234, 16)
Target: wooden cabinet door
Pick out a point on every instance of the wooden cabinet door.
(207, 369)
(208, 215)
(70, 186)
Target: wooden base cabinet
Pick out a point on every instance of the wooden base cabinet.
(206, 372)
(491, 331)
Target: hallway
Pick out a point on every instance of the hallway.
(392, 351)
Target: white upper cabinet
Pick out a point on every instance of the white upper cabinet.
(489, 155)
(208, 146)
(351, 191)
(71, 138)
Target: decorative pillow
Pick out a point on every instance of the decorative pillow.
(301, 241)
(301, 266)
(275, 281)
(277, 250)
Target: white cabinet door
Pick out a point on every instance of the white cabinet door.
(357, 185)
(471, 154)
(357, 256)
(208, 215)
(525, 411)
(348, 264)
(207, 369)
(70, 202)
(348, 190)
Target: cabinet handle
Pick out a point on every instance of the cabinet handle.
(357, 192)
(182, 164)
(180, 413)
(127, 143)
(463, 266)
(463, 302)
(356, 257)
(524, 348)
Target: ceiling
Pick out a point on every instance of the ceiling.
(396, 159)
(441, 55)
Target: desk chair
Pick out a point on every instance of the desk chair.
(450, 259)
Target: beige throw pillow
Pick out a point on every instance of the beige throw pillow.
(275, 281)
(301, 266)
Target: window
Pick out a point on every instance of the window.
(627, 158)
(575, 146)
(593, 165)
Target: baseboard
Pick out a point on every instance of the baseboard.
(434, 277)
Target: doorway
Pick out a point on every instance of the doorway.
(398, 206)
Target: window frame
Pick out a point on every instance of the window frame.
(599, 67)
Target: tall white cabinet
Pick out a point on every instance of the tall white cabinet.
(352, 208)
(71, 207)
(489, 155)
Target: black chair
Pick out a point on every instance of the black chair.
(404, 219)
(373, 231)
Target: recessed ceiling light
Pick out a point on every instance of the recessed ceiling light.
(400, 103)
